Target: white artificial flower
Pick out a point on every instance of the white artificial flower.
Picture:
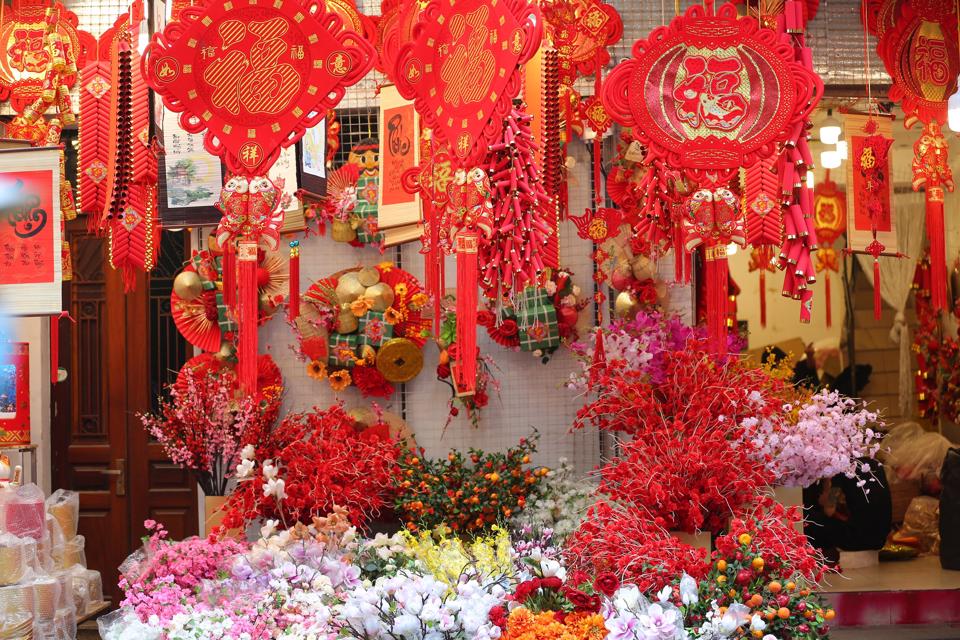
(551, 568)
(274, 487)
(245, 468)
(269, 470)
(689, 591)
(269, 527)
(248, 452)
(664, 594)
(757, 623)
(628, 597)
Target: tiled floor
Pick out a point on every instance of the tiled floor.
(907, 575)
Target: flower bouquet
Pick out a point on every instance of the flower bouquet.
(207, 420)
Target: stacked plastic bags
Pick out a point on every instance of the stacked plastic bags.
(44, 582)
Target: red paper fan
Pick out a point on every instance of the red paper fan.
(196, 320)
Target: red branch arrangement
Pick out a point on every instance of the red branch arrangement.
(324, 459)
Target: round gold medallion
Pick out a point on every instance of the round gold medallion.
(399, 360)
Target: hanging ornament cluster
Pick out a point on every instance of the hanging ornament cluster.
(460, 65)
(364, 327)
(728, 94)
(918, 43)
(198, 301)
(830, 219)
(545, 317)
(512, 258)
(252, 78)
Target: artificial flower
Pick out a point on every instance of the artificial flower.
(371, 382)
(385, 267)
(400, 289)
(248, 452)
(269, 470)
(274, 487)
(392, 316)
(245, 468)
(360, 306)
(317, 370)
(368, 356)
(339, 379)
(419, 300)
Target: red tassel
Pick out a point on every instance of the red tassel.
(938, 248)
(467, 243)
(763, 298)
(826, 293)
(229, 276)
(717, 286)
(54, 347)
(247, 315)
(293, 300)
(877, 300)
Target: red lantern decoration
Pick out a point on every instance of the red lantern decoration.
(706, 95)
(461, 69)
(830, 220)
(918, 46)
(254, 76)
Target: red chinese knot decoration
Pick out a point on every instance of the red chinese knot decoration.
(255, 75)
(461, 69)
(711, 92)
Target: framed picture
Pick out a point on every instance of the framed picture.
(14, 394)
(189, 178)
(31, 257)
(312, 169)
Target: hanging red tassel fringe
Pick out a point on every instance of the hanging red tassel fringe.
(467, 243)
(763, 298)
(877, 300)
(229, 275)
(938, 248)
(826, 293)
(718, 274)
(247, 315)
(54, 347)
(293, 300)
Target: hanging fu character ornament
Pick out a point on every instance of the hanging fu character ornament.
(252, 76)
(707, 94)
(461, 69)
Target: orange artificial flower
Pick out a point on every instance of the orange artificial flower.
(317, 370)
(385, 267)
(392, 316)
(368, 355)
(360, 306)
(419, 300)
(400, 289)
(340, 380)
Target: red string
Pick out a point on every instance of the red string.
(763, 298)
(467, 286)
(229, 275)
(826, 292)
(877, 300)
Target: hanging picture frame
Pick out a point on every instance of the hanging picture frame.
(31, 260)
(14, 394)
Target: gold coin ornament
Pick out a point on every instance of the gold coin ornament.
(372, 324)
(626, 305)
(400, 360)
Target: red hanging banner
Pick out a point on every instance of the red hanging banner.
(254, 75)
(461, 69)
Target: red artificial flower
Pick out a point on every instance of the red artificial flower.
(315, 348)
(443, 371)
(553, 582)
(582, 601)
(509, 327)
(607, 584)
(498, 616)
(371, 382)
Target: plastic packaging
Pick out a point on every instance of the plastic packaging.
(24, 514)
(16, 558)
(922, 520)
(124, 625)
(46, 597)
(915, 452)
(87, 588)
(65, 507)
(65, 623)
(73, 553)
(16, 599)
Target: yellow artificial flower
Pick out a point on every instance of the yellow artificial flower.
(360, 306)
(317, 370)
(340, 380)
(419, 300)
(385, 267)
(392, 316)
(400, 289)
(445, 557)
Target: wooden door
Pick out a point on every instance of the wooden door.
(99, 446)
